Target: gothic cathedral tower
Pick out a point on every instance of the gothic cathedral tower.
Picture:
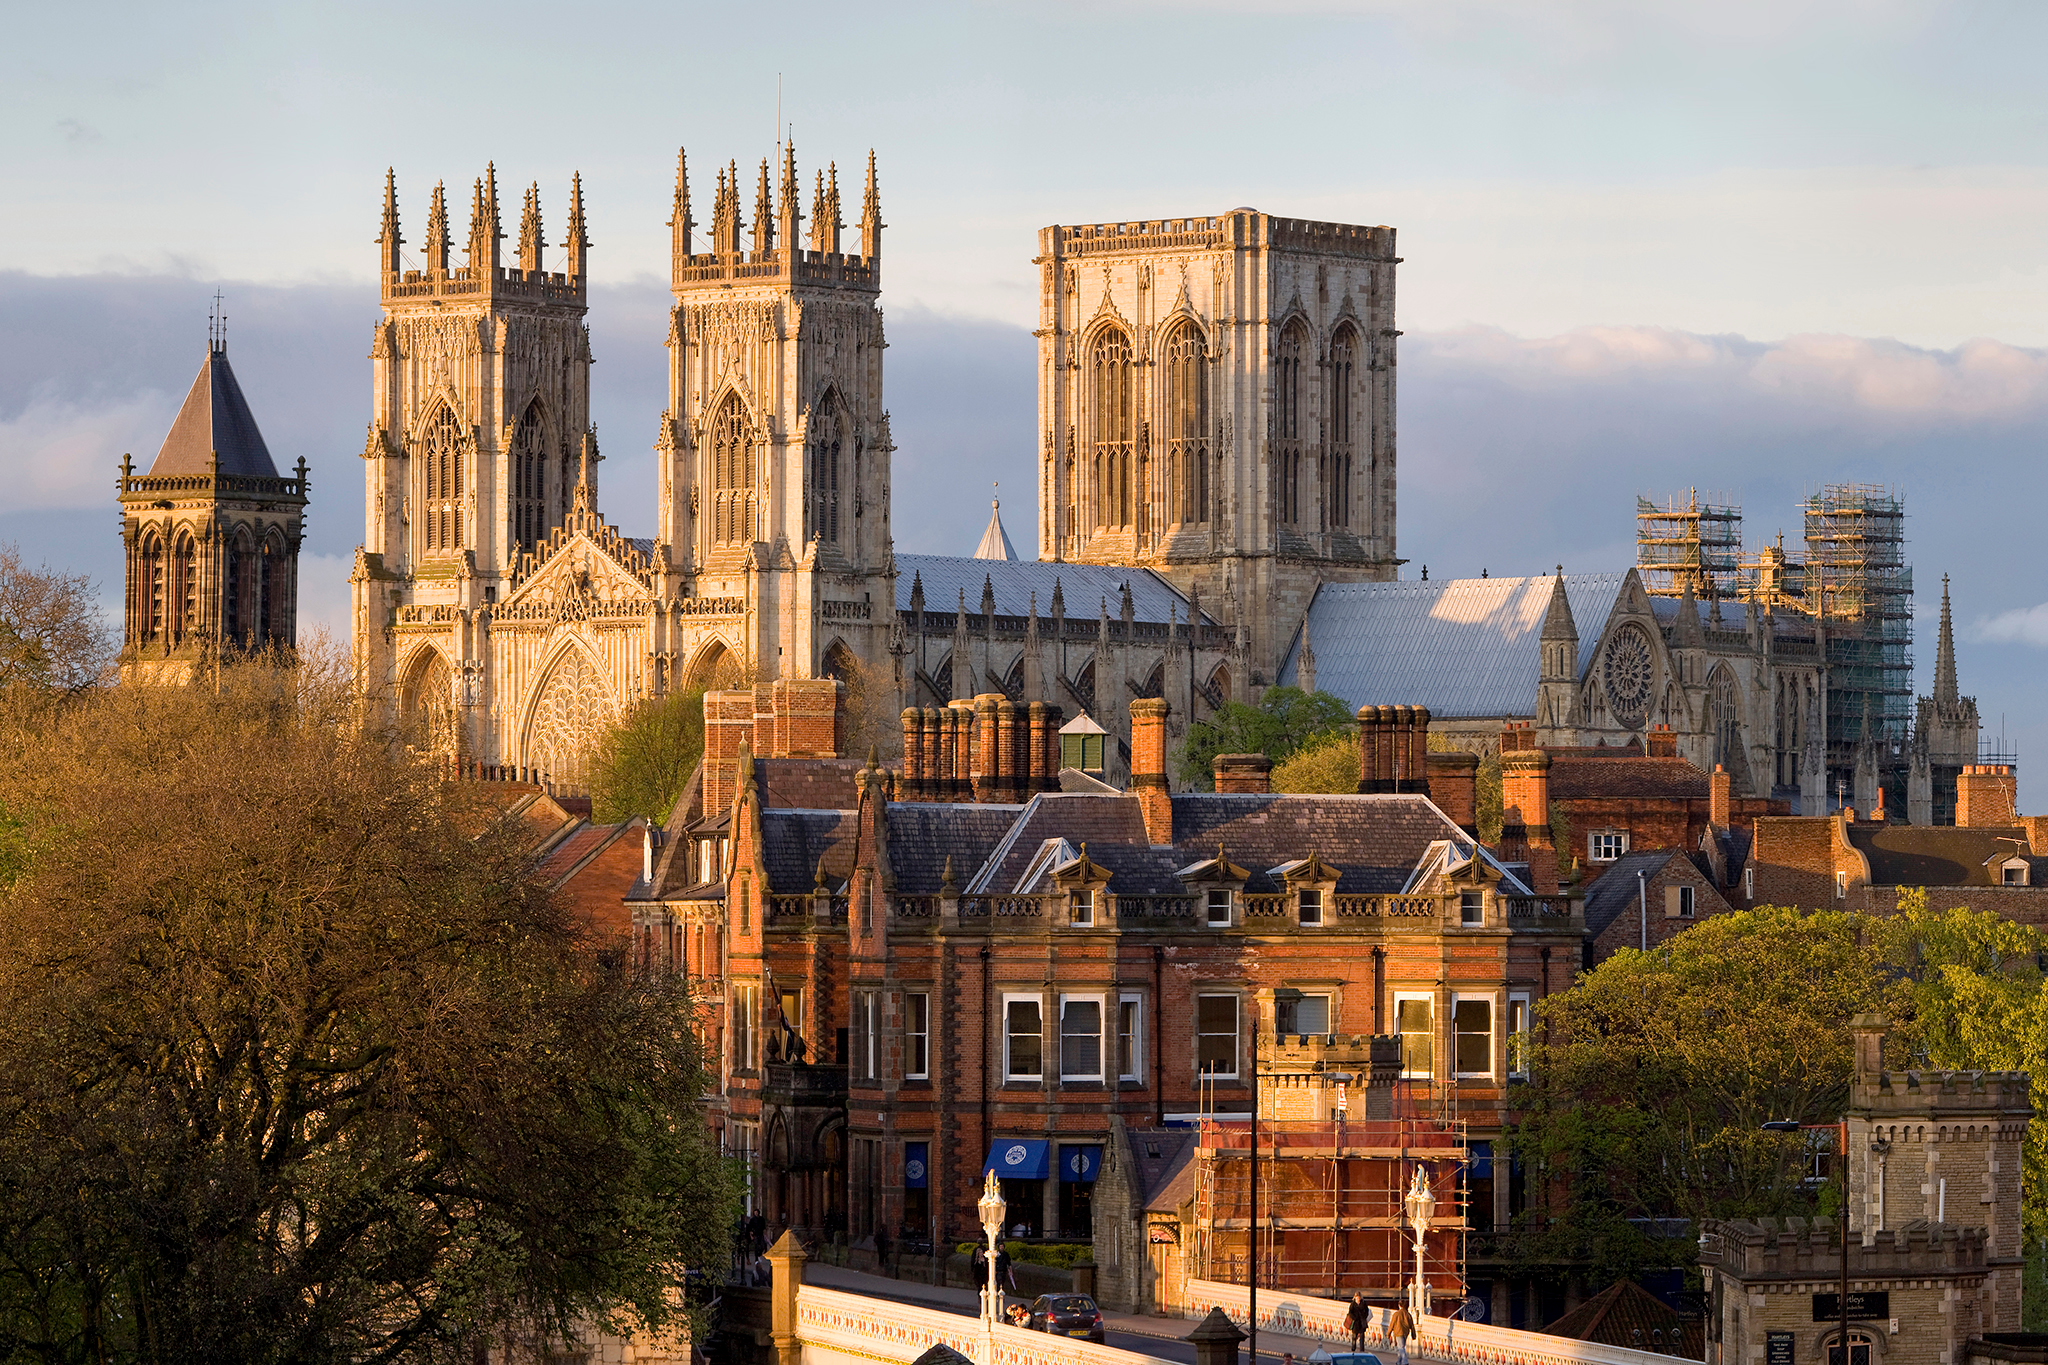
(212, 536)
(774, 451)
(1217, 397)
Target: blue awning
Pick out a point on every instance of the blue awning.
(917, 1172)
(1080, 1165)
(1018, 1159)
(1482, 1161)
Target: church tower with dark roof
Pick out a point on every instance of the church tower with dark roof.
(212, 534)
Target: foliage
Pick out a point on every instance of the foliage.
(868, 714)
(1327, 764)
(297, 1063)
(1057, 1255)
(51, 635)
(1285, 720)
(1654, 1076)
(644, 763)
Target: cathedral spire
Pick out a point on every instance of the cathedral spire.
(1945, 657)
(437, 231)
(764, 215)
(576, 246)
(871, 223)
(1557, 622)
(389, 238)
(484, 231)
(531, 241)
(680, 222)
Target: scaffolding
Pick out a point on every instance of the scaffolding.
(1858, 584)
(1330, 1214)
(1684, 542)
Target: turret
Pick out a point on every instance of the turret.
(531, 242)
(825, 224)
(437, 231)
(725, 213)
(871, 223)
(484, 232)
(788, 229)
(389, 238)
(576, 246)
(679, 222)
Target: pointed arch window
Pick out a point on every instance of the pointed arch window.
(275, 611)
(1337, 438)
(828, 450)
(1287, 424)
(238, 603)
(441, 485)
(1187, 425)
(732, 473)
(152, 582)
(1726, 717)
(1110, 388)
(529, 479)
(187, 563)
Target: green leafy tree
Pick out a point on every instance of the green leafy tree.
(298, 1066)
(644, 763)
(1326, 764)
(1285, 719)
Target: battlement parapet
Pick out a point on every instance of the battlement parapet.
(1803, 1249)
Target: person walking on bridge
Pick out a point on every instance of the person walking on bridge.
(1401, 1326)
(1357, 1319)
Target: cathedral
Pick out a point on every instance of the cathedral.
(1216, 503)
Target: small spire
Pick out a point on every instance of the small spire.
(764, 215)
(917, 590)
(531, 240)
(437, 231)
(791, 221)
(995, 541)
(1305, 667)
(1059, 600)
(871, 223)
(585, 503)
(679, 221)
(576, 246)
(988, 599)
(1945, 689)
(484, 232)
(1557, 622)
(388, 238)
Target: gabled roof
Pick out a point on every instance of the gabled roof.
(1616, 890)
(215, 420)
(1582, 775)
(1625, 1314)
(1159, 1155)
(1460, 646)
(1935, 855)
(1083, 587)
(995, 541)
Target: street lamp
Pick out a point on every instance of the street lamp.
(1420, 1203)
(993, 1210)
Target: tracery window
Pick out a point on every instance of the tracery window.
(732, 473)
(237, 602)
(1336, 462)
(1109, 372)
(152, 604)
(1187, 426)
(529, 479)
(1287, 423)
(1726, 717)
(441, 485)
(827, 459)
(187, 560)
(274, 609)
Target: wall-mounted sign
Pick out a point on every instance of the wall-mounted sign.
(1777, 1348)
(1863, 1303)
(1164, 1233)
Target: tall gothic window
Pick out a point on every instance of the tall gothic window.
(236, 606)
(274, 613)
(827, 458)
(1287, 424)
(732, 473)
(1725, 716)
(187, 560)
(441, 485)
(1187, 426)
(1109, 373)
(529, 479)
(1336, 462)
(152, 605)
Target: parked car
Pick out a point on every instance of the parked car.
(1067, 1315)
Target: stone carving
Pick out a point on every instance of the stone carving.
(573, 707)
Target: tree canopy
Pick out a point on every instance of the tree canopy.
(644, 763)
(298, 1063)
(51, 636)
(1285, 720)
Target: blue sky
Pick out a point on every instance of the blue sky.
(1751, 247)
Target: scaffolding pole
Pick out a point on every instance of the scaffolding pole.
(1683, 543)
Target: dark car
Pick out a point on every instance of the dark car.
(1067, 1315)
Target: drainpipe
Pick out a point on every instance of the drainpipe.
(1158, 1039)
(1643, 905)
(986, 977)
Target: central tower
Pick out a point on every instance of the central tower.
(1217, 397)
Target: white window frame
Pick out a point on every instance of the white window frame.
(1101, 1030)
(1472, 909)
(1329, 999)
(1428, 1000)
(867, 1054)
(1310, 897)
(1841, 886)
(1236, 1037)
(1135, 1071)
(1081, 902)
(1688, 902)
(1492, 1019)
(1595, 842)
(917, 1036)
(1749, 883)
(1520, 1031)
(746, 1030)
(1036, 1001)
(1229, 907)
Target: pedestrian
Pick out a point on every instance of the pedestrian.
(1357, 1319)
(1401, 1326)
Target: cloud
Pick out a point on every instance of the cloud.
(2020, 626)
(77, 133)
(60, 453)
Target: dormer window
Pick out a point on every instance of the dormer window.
(2014, 873)
(1219, 898)
(1311, 905)
(1083, 905)
(1472, 909)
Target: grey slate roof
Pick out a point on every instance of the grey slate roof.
(922, 835)
(1084, 587)
(1376, 840)
(1461, 647)
(215, 419)
(1616, 890)
(795, 841)
(1159, 1154)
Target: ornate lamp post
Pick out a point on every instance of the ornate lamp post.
(993, 1210)
(1420, 1204)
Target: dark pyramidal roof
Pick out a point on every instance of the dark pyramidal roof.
(215, 420)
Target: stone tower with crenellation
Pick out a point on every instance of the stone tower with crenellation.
(1217, 402)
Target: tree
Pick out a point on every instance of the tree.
(1285, 719)
(1329, 763)
(1654, 1076)
(644, 763)
(296, 1066)
(51, 637)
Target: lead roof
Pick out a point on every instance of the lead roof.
(215, 420)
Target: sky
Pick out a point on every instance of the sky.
(1751, 247)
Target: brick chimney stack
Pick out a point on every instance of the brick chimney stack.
(1988, 795)
(1148, 767)
(1663, 742)
(1454, 786)
(1244, 773)
(1720, 798)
